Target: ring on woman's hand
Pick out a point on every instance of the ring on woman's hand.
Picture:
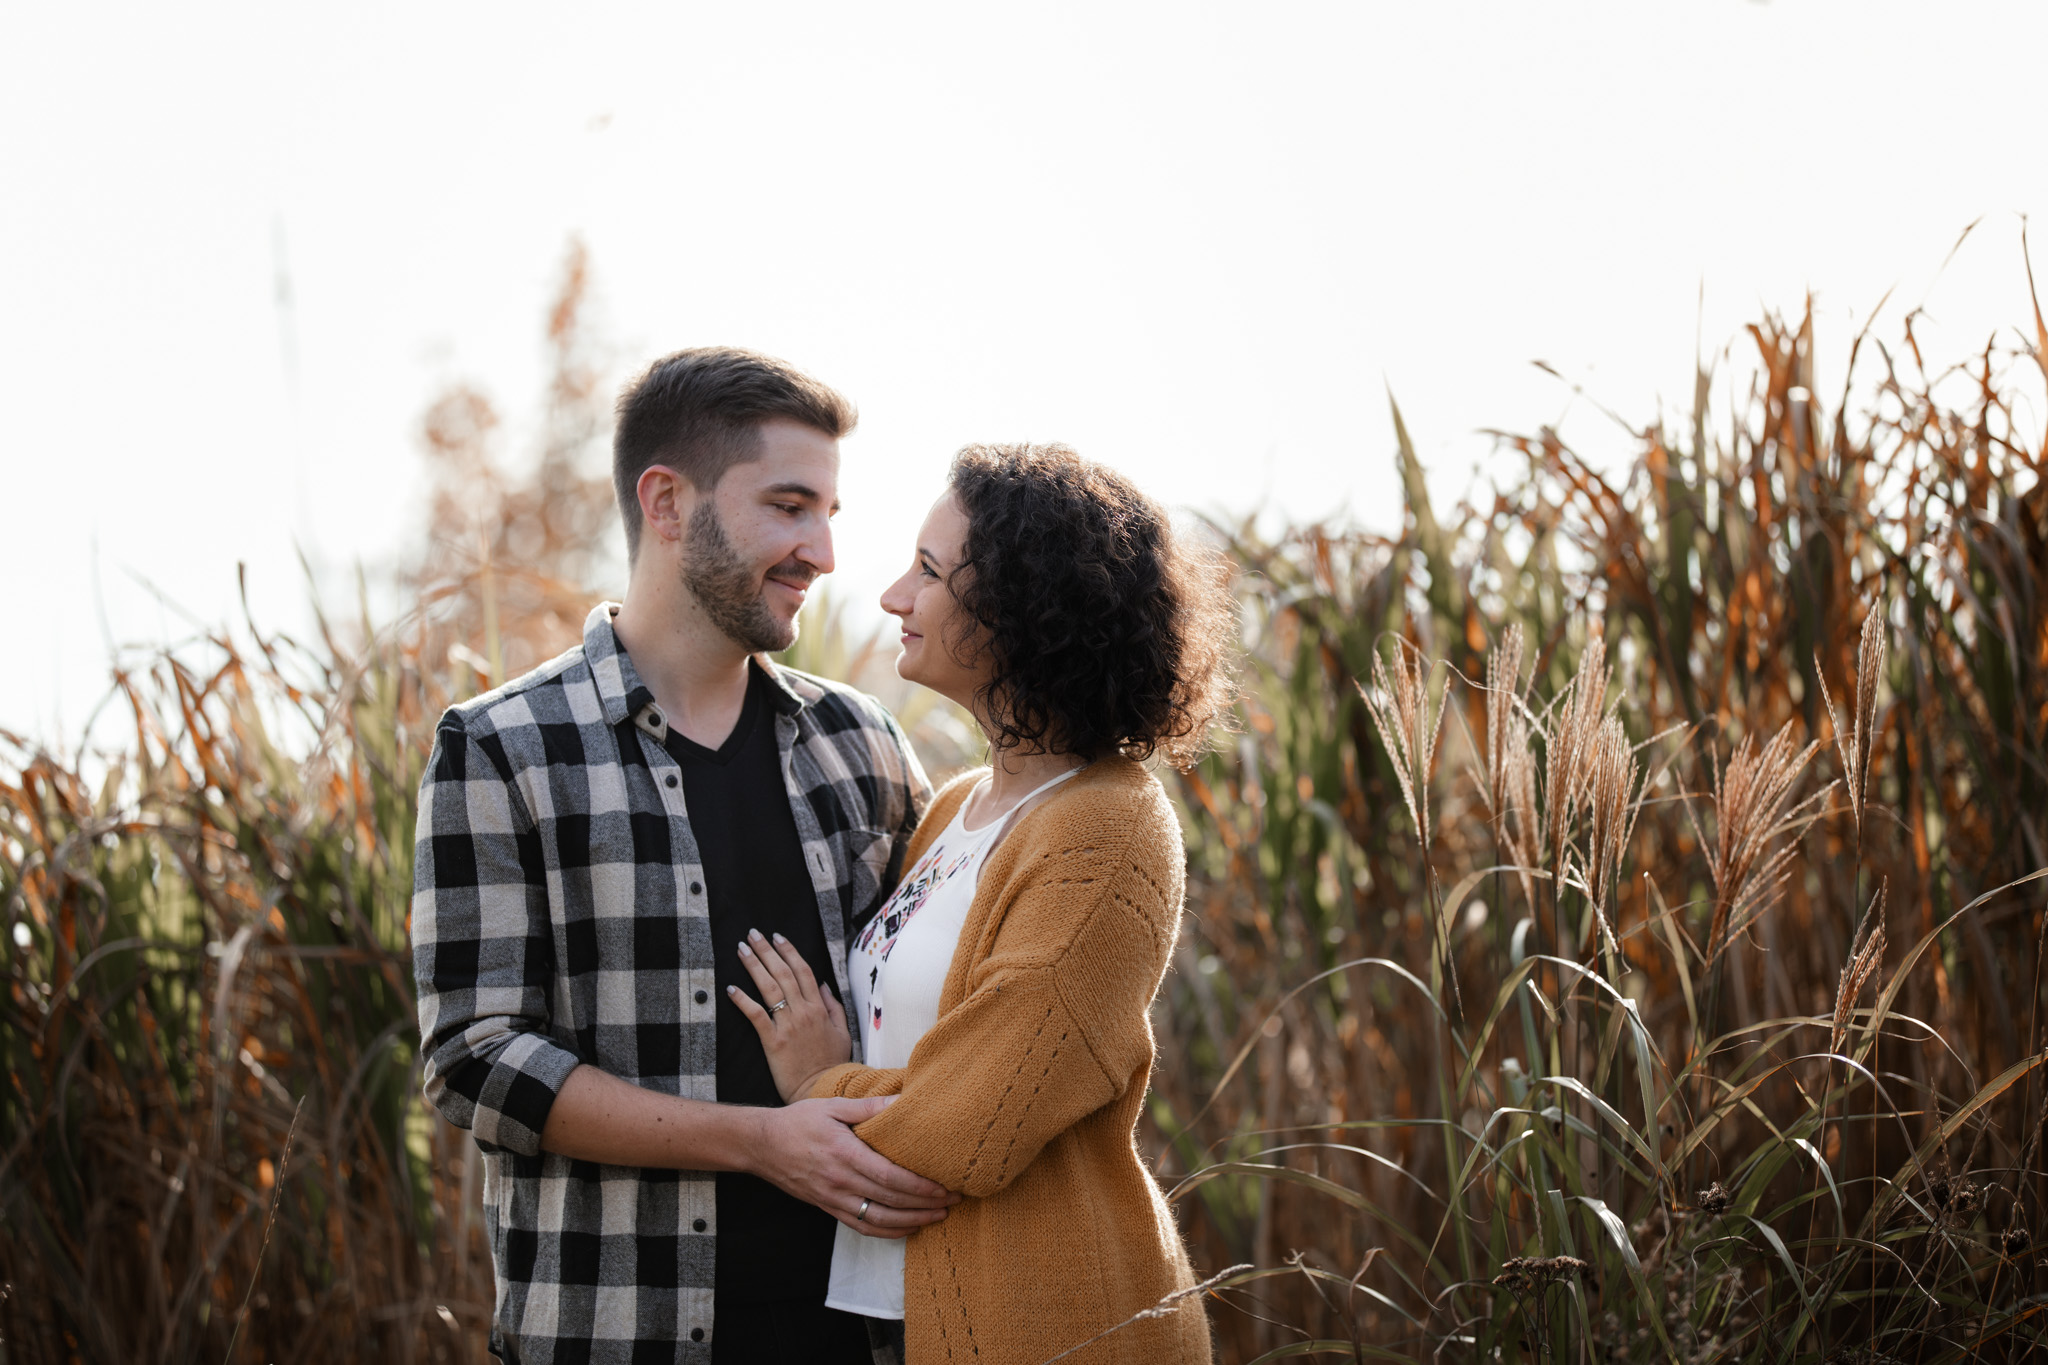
(862, 1216)
(778, 1005)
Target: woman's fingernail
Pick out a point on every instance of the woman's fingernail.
(745, 951)
(780, 939)
(754, 934)
(732, 990)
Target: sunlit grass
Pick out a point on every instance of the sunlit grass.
(1641, 967)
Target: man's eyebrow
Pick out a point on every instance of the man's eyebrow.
(796, 490)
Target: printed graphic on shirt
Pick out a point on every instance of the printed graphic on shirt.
(931, 872)
(878, 939)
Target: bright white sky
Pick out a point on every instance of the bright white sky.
(1197, 241)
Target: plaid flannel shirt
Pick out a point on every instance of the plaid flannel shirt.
(559, 917)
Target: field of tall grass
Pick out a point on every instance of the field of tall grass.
(1615, 922)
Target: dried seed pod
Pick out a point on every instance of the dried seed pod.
(1714, 1199)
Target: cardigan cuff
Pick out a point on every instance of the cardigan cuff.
(831, 1084)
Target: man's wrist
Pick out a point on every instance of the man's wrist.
(751, 1129)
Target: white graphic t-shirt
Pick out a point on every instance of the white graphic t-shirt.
(897, 967)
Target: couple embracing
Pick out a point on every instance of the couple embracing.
(660, 877)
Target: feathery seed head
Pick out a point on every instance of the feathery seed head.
(1855, 741)
(1510, 787)
(1503, 683)
(1612, 773)
(1861, 966)
(1398, 702)
(1749, 858)
(1574, 728)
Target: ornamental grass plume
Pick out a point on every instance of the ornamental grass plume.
(1503, 685)
(1399, 704)
(1854, 743)
(1857, 971)
(1613, 775)
(1510, 787)
(1748, 859)
(1577, 715)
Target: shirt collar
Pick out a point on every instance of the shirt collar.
(786, 699)
(622, 693)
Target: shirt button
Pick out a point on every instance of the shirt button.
(696, 1334)
(671, 779)
(702, 996)
(698, 1226)
(696, 888)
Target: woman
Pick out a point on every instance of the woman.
(1003, 991)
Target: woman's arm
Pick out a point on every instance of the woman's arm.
(1053, 1027)
(1055, 1020)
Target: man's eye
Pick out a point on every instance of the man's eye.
(788, 507)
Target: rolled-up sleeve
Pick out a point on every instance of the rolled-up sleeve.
(483, 947)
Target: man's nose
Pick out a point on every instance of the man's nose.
(817, 550)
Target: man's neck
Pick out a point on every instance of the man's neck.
(697, 673)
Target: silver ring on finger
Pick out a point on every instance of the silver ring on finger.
(862, 1216)
(782, 1004)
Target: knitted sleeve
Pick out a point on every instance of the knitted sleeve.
(1054, 1022)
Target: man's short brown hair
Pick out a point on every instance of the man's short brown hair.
(699, 412)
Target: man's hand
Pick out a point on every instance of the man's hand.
(809, 1149)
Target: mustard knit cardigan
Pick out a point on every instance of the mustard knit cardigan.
(1024, 1096)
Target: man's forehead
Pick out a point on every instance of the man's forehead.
(794, 461)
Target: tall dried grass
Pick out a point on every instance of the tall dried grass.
(209, 921)
(1604, 1050)
(1697, 1105)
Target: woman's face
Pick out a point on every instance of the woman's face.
(940, 646)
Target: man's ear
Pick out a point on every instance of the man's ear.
(666, 501)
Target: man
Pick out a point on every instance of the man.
(597, 838)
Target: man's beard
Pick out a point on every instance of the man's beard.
(728, 590)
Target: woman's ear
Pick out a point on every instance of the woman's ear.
(666, 501)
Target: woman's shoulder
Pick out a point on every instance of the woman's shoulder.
(1109, 837)
(1114, 801)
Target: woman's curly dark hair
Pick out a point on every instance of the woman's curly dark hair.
(1109, 633)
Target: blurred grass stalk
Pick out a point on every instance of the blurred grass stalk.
(1579, 988)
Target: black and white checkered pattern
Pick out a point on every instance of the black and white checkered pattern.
(559, 917)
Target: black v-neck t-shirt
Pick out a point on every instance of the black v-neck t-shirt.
(771, 1245)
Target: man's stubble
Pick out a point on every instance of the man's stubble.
(728, 589)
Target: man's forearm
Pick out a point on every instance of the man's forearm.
(806, 1149)
(598, 1117)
